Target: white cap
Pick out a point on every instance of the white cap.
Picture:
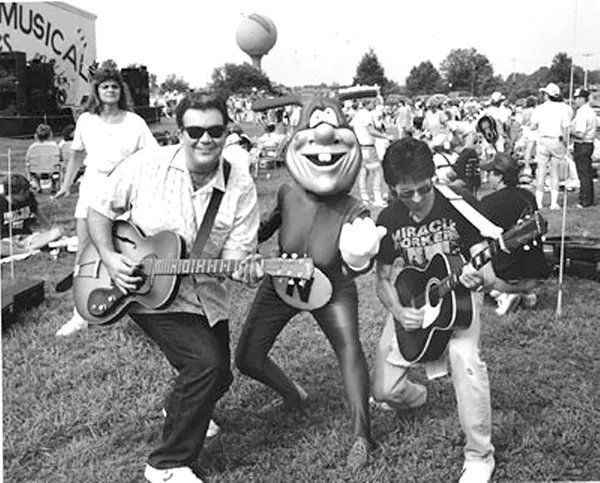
(551, 89)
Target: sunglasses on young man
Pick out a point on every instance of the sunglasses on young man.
(422, 190)
(196, 132)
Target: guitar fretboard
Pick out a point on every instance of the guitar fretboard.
(198, 265)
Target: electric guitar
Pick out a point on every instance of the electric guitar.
(448, 304)
(160, 262)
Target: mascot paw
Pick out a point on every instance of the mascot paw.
(359, 242)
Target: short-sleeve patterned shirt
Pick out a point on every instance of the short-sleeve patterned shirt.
(155, 188)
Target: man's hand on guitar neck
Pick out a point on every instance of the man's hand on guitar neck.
(250, 270)
(122, 271)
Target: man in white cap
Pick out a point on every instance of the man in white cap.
(551, 119)
(583, 134)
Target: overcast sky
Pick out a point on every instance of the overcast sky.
(323, 40)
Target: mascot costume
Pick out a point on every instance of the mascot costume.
(317, 218)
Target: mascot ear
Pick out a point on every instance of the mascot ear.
(487, 126)
(265, 104)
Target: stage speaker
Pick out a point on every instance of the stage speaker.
(138, 81)
(12, 83)
(40, 90)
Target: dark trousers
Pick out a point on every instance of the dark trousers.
(338, 320)
(201, 355)
(582, 155)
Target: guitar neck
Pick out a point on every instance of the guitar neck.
(195, 266)
(451, 281)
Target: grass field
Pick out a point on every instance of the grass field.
(87, 408)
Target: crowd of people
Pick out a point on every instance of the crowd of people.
(201, 188)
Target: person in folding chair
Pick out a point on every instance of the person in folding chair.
(25, 227)
(191, 190)
(43, 160)
(424, 225)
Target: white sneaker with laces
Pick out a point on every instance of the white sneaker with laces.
(477, 471)
(183, 474)
(76, 324)
(507, 302)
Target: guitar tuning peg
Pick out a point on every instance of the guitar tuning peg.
(284, 255)
(294, 256)
(290, 281)
(302, 283)
(526, 248)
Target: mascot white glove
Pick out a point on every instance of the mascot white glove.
(359, 242)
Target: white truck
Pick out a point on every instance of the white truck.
(56, 33)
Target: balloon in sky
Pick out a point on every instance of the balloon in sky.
(256, 35)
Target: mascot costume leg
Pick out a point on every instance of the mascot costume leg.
(317, 218)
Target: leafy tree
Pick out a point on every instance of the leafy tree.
(467, 69)
(560, 72)
(424, 79)
(370, 71)
(239, 78)
(174, 83)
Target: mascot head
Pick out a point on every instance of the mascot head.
(323, 154)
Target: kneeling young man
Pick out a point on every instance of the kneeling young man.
(420, 223)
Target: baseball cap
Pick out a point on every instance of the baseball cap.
(551, 89)
(581, 92)
(501, 162)
(497, 97)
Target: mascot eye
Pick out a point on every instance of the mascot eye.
(330, 117)
(316, 118)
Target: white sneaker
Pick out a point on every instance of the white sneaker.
(477, 471)
(507, 302)
(554, 207)
(211, 432)
(76, 324)
(183, 474)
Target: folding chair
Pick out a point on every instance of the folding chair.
(43, 163)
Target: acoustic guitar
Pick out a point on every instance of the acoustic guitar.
(161, 263)
(448, 304)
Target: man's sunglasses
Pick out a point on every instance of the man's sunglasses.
(422, 190)
(196, 132)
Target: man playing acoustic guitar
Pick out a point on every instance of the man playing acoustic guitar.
(170, 188)
(421, 223)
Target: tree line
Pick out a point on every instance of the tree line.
(465, 70)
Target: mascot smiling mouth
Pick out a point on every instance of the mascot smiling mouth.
(325, 159)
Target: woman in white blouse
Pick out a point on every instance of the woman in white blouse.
(106, 133)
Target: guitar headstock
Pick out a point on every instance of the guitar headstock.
(525, 230)
(301, 268)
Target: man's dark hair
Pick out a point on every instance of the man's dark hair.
(407, 160)
(509, 177)
(19, 184)
(203, 101)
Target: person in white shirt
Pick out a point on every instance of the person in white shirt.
(584, 126)
(551, 119)
(106, 133)
(364, 128)
(403, 119)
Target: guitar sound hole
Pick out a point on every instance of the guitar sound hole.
(433, 295)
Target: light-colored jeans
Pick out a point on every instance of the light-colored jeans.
(370, 165)
(469, 376)
(549, 152)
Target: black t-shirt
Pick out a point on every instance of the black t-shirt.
(414, 243)
(21, 215)
(505, 208)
